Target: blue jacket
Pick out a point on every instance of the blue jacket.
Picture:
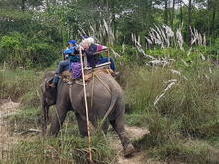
(73, 55)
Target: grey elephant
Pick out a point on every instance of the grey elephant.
(105, 98)
(49, 96)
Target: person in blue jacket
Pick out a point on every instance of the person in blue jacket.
(70, 55)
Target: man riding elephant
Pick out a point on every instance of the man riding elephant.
(105, 100)
(69, 56)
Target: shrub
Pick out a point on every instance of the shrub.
(19, 51)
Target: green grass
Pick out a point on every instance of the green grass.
(214, 141)
(17, 83)
(191, 151)
(188, 111)
(64, 149)
(26, 118)
(68, 147)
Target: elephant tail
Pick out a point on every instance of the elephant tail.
(114, 98)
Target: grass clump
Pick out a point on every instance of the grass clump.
(193, 102)
(186, 151)
(31, 98)
(64, 149)
(17, 83)
(26, 118)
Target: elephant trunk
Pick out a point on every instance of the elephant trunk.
(45, 117)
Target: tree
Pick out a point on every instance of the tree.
(21, 4)
(189, 19)
(173, 12)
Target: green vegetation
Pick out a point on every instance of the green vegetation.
(178, 101)
(187, 112)
(66, 149)
(183, 125)
(18, 83)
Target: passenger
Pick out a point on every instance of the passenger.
(90, 49)
(74, 56)
(72, 43)
(69, 57)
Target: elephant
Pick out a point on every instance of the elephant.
(105, 102)
(49, 96)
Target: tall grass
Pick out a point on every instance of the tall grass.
(17, 83)
(64, 149)
(68, 147)
(187, 110)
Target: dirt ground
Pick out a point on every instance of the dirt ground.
(138, 157)
(7, 107)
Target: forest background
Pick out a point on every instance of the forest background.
(168, 47)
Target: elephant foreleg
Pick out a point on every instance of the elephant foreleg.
(105, 126)
(57, 121)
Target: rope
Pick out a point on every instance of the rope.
(86, 108)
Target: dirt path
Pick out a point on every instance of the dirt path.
(7, 107)
(139, 157)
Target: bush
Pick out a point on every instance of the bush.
(214, 50)
(42, 55)
(19, 51)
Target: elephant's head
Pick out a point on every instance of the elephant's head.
(49, 93)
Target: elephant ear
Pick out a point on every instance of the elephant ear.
(48, 83)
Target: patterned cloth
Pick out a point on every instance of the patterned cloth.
(76, 70)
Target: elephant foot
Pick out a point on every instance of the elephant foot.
(129, 150)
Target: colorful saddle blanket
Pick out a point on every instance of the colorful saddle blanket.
(68, 76)
(76, 70)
